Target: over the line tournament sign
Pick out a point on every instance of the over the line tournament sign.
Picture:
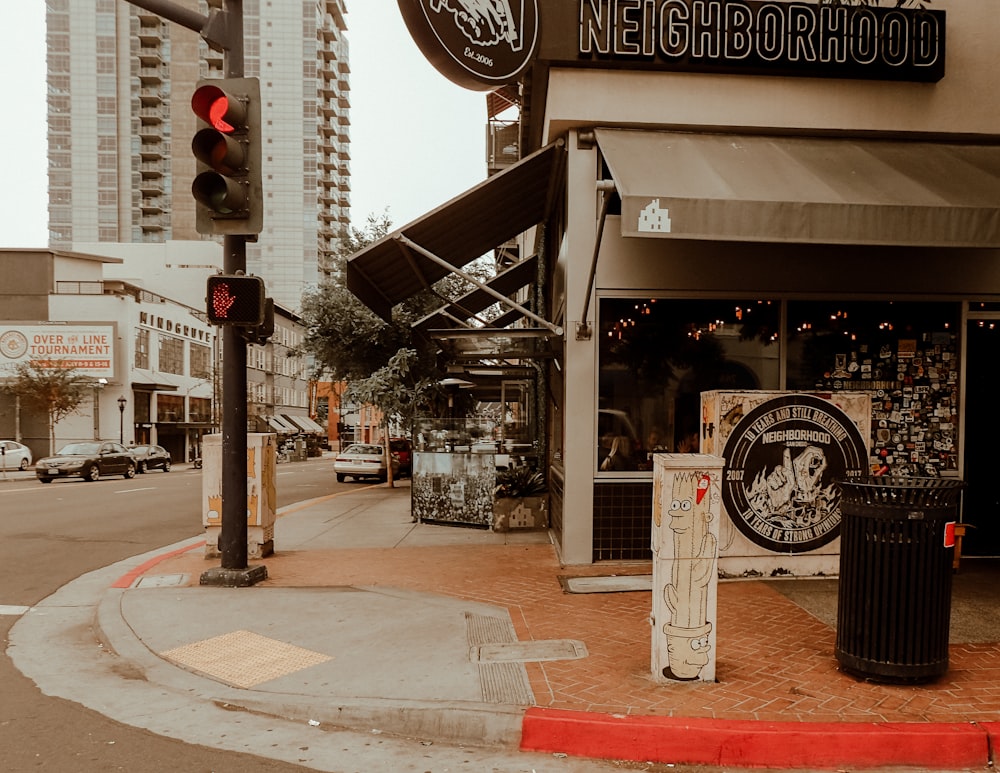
(88, 349)
(782, 463)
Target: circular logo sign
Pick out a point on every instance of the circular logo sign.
(13, 344)
(478, 44)
(782, 461)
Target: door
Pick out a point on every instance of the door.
(981, 500)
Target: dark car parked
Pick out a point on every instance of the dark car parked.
(151, 458)
(89, 460)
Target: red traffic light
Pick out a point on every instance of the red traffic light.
(227, 146)
(235, 300)
(218, 109)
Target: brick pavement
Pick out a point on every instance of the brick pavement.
(775, 660)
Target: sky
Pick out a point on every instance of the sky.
(417, 139)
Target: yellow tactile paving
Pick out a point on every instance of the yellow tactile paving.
(244, 659)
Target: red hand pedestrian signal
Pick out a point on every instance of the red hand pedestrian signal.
(235, 299)
(221, 300)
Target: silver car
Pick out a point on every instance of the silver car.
(362, 460)
(14, 455)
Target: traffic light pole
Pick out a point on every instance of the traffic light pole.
(233, 537)
(234, 571)
(224, 31)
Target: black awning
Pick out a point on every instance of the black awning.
(152, 386)
(500, 208)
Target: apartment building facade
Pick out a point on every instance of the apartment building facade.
(120, 80)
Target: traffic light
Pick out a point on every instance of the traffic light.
(265, 330)
(236, 299)
(228, 186)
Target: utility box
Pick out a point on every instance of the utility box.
(262, 497)
(687, 508)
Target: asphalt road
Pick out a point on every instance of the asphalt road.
(51, 534)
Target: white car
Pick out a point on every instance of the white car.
(363, 460)
(14, 455)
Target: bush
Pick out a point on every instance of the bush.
(516, 482)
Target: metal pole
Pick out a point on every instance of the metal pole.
(233, 537)
(233, 534)
(224, 31)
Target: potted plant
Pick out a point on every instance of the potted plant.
(520, 499)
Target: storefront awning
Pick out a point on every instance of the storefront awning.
(415, 256)
(302, 423)
(147, 381)
(458, 312)
(280, 425)
(804, 190)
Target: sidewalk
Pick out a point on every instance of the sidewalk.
(368, 619)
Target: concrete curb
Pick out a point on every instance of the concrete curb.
(749, 744)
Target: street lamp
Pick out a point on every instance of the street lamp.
(121, 419)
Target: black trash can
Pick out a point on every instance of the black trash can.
(894, 599)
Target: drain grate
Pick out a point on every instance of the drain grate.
(502, 682)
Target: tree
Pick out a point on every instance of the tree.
(56, 392)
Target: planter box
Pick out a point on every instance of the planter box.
(521, 513)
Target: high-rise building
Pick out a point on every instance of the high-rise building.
(120, 80)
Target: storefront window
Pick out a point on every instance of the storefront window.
(904, 354)
(200, 410)
(169, 408)
(657, 356)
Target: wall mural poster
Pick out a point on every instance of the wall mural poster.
(783, 460)
(452, 487)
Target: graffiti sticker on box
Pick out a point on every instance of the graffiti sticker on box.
(782, 463)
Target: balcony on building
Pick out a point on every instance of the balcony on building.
(151, 151)
(153, 224)
(151, 205)
(150, 56)
(150, 95)
(150, 115)
(502, 145)
(149, 187)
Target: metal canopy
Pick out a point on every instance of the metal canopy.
(481, 344)
(502, 207)
(460, 310)
(804, 189)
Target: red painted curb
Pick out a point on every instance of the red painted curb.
(126, 580)
(747, 744)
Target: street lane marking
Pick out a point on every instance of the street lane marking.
(8, 609)
(133, 490)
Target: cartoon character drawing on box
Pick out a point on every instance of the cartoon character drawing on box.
(791, 495)
(695, 552)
